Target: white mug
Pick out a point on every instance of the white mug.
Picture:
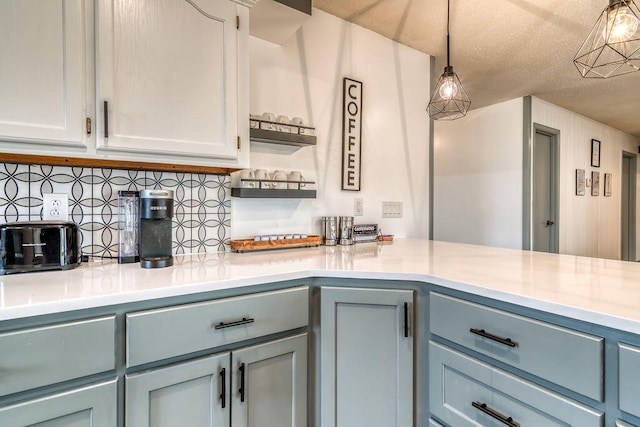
(253, 121)
(296, 122)
(247, 174)
(283, 124)
(279, 175)
(269, 117)
(295, 176)
(261, 174)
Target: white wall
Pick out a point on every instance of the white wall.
(303, 77)
(478, 177)
(589, 225)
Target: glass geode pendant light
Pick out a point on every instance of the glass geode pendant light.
(612, 48)
(449, 100)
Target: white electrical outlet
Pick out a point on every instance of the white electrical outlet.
(391, 209)
(357, 206)
(55, 206)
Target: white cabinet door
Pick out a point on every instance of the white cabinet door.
(168, 72)
(91, 406)
(194, 394)
(42, 72)
(269, 386)
(366, 376)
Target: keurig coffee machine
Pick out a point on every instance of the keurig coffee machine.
(156, 211)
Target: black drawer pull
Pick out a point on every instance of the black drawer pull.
(241, 389)
(244, 321)
(485, 334)
(406, 320)
(223, 393)
(495, 414)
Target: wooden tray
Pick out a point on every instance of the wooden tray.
(245, 245)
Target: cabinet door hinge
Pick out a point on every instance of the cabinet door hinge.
(237, 22)
(239, 142)
(88, 125)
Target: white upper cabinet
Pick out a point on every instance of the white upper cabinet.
(167, 72)
(43, 97)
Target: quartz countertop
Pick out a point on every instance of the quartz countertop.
(600, 291)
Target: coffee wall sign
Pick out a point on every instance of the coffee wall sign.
(351, 134)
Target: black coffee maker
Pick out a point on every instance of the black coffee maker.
(156, 211)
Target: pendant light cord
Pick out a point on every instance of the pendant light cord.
(448, 1)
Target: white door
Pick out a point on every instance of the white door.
(167, 77)
(194, 394)
(269, 386)
(544, 204)
(42, 72)
(366, 368)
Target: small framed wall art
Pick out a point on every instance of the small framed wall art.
(580, 182)
(607, 184)
(595, 153)
(595, 183)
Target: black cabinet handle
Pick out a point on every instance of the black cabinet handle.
(223, 393)
(244, 321)
(241, 389)
(506, 341)
(406, 320)
(495, 414)
(106, 119)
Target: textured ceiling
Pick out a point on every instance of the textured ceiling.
(505, 49)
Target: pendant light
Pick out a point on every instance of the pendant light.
(612, 48)
(449, 100)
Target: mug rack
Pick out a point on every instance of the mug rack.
(265, 188)
(266, 131)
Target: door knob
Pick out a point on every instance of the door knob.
(549, 222)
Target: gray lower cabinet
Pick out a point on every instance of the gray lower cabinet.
(366, 367)
(89, 406)
(464, 391)
(629, 378)
(261, 385)
(269, 384)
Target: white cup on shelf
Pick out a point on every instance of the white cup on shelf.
(297, 122)
(283, 124)
(269, 117)
(295, 176)
(262, 174)
(247, 174)
(280, 175)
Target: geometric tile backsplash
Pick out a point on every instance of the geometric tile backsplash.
(202, 203)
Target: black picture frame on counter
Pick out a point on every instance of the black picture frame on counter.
(595, 153)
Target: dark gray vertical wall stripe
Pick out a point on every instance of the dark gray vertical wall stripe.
(526, 173)
(432, 69)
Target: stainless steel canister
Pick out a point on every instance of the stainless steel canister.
(330, 230)
(346, 230)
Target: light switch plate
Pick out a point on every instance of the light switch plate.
(391, 209)
(358, 206)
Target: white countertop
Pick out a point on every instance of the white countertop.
(600, 291)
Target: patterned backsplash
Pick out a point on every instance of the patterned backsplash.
(202, 203)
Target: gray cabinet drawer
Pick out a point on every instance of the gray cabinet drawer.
(629, 379)
(91, 406)
(173, 331)
(36, 357)
(623, 424)
(457, 381)
(565, 357)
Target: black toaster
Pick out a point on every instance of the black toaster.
(39, 245)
